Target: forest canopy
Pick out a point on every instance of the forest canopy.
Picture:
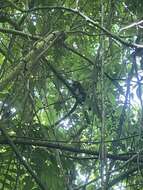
(71, 103)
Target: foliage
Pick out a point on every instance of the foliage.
(71, 94)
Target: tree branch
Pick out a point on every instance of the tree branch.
(39, 49)
(88, 20)
(20, 157)
(42, 143)
(122, 176)
(19, 33)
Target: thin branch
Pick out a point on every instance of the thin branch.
(122, 176)
(19, 33)
(76, 142)
(132, 25)
(42, 143)
(88, 20)
(66, 115)
(39, 49)
(123, 113)
(20, 157)
(79, 54)
(62, 79)
(115, 83)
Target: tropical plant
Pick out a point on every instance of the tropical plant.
(71, 100)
